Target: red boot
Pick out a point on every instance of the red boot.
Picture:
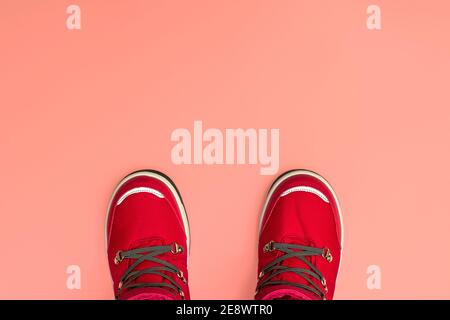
(147, 237)
(300, 239)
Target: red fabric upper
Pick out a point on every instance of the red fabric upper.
(301, 218)
(142, 220)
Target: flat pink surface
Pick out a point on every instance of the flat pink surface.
(369, 110)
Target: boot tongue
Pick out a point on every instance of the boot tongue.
(285, 293)
(150, 278)
(147, 294)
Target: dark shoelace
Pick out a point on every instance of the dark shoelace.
(149, 254)
(275, 268)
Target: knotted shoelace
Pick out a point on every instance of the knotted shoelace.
(275, 268)
(150, 254)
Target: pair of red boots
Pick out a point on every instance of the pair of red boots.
(300, 239)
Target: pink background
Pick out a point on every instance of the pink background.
(369, 110)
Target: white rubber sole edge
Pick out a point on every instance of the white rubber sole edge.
(292, 173)
(172, 189)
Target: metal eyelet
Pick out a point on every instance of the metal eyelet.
(326, 254)
(324, 284)
(118, 258)
(176, 248)
(268, 247)
(181, 276)
(120, 285)
(181, 293)
(260, 275)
